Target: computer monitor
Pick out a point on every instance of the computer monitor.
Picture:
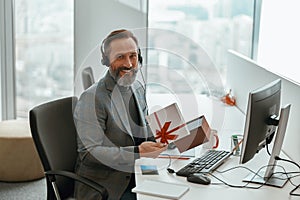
(262, 123)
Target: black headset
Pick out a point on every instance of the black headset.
(105, 60)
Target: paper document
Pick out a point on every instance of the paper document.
(161, 189)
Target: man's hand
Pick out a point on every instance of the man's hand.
(151, 149)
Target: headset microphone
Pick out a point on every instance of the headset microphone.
(143, 77)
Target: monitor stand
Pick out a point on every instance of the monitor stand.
(273, 179)
(276, 180)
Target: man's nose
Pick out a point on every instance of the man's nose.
(127, 62)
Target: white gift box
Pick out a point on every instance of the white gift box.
(167, 124)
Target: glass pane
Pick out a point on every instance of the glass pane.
(44, 52)
(182, 31)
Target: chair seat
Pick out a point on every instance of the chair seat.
(18, 155)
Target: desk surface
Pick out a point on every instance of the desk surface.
(233, 123)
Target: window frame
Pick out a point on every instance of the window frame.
(8, 91)
(256, 23)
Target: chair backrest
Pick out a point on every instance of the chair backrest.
(54, 134)
(87, 77)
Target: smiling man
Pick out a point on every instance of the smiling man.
(110, 122)
(123, 54)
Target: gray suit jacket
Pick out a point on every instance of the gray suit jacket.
(105, 142)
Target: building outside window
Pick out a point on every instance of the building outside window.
(43, 52)
(187, 28)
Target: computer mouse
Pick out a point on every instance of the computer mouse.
(198, 178)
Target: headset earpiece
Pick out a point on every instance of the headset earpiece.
(140, 57)
(104, 60)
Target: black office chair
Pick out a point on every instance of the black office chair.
(87, 77)
(54, 134)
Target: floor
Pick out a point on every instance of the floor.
(33, 190)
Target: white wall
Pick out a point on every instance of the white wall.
(94, 20)
(279, 41)
(245, 75)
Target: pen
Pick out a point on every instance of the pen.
(174, 157)
(238, 144)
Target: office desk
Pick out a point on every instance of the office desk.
(233, 124)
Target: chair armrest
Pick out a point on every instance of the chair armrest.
(81, 179)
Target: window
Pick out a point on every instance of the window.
(43, 52)
(189, 39)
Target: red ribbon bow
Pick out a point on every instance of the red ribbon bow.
(163, 133)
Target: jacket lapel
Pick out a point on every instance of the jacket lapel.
(118, 106)
(120, 110)
(138, 96)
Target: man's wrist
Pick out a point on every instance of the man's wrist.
(136, 152)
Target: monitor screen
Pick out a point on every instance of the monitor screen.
(263, 105)
(263, 122)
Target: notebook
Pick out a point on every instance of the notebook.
(161, 189)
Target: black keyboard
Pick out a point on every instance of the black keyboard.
(206, 163)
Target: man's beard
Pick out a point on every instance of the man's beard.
(127, 79)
